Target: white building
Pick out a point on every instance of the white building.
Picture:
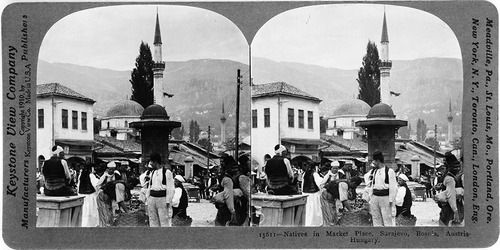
(64, 118)
(117, 120)
(284, 114)
(344, 117)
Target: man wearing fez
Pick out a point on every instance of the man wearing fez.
(385, 187)
(56, 174)
(161, 193)
(279, 173)
(111, 191)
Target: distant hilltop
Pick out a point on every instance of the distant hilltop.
(426, 86)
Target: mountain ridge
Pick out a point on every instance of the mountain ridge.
(201, 85)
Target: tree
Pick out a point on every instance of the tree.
(178, 133)
(142, 77)
(97, 125)
(323, 124)
(194, 131)
(421, 130)
(404, 132)
(369, 76)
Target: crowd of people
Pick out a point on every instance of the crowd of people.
(331, 189)
(107, 190)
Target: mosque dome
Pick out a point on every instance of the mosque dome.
(352, 107)
(155, 111)
(125, 108)
(381, 110)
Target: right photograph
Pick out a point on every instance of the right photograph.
(356, 117)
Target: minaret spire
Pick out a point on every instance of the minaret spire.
(223, 125)
(385, 65)
(159, 65)
(450, 125)
(157, 30)
(385, 34)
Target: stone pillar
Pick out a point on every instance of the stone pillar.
(415, 167)
(188, 168)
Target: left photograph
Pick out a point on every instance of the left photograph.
(143, 119)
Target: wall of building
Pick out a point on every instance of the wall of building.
(44, 135)
(265, 138)
(345, 123)
(120, 124)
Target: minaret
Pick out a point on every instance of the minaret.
(450, 126)
(223, 125)
(385, 66)
(159, 65)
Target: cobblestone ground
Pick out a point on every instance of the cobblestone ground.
(427, 213)
(203, 213)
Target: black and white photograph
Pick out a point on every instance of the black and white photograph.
(327, 89)
(159, 80)
(250, 124)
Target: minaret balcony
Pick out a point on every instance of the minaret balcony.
(385, 64)
(159, 65)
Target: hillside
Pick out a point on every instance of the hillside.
(200, 86)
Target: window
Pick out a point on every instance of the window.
(267, 118)
(84, 120)
(352, 123)
(301, 118)
(310, 123)
(254, 118)
(126, 124)
(291, 118)
(108, 124)
(334, 124)
(41, 123)
(74, 119)
(65, 118)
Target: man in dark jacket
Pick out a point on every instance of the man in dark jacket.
(56, 174)
(279, 173)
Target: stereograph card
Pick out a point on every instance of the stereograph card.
(442, 66)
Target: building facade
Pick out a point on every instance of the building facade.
(116, 124)
(283, 114)
(342, 122)
(64, 118)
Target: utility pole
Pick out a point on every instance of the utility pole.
(435, 141)
(237, 135)
(208, 150)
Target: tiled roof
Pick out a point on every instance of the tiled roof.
(280, 88)
(101, 148)
(58, 89)
(335, 148)
(348, 144)
(125, 145)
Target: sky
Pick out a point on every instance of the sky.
(326, 35)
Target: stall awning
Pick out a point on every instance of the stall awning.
(125, 160)
(75, 142)
(343, 158)
(302, 141)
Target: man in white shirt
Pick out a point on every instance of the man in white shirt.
(161, 192)
(382, 206)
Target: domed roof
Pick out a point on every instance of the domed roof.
(155, 111)
(352, 107)
(381, 110)
(125, 108)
